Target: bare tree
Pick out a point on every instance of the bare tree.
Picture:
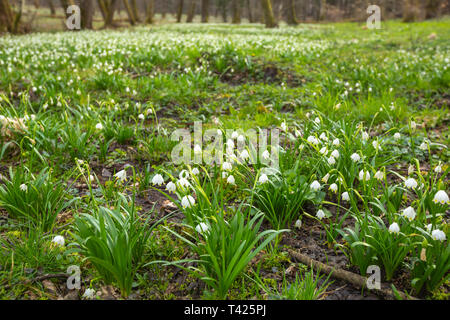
(180, 10)
(269, 18)
(289, 12)
(237, 8)
(191, 12)
(205, 11)
(87, 13)
(150, 11)
(249, 11)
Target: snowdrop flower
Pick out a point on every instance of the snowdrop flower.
(121, 175)
(379, 175)
(99, 126)
(334, 187)
(335, 154)
(23, 187)
(187, 202)
(89, 293)
(345, 196)
(315, 185)
(394, 228)
(266, 155)
(409, 213)
(158, 179)
(411, 183)
(202, 228)
(438, 235)
(171, 187)
(230, 179)
(397, 136)
(227, 166)
(364, 175)
(331, 161)
(326, 177)
(365, 135)
(263, 178)
(182, 183)
(441, 197)
(141, 116)
(438, 169)
(59, 240)
(355, 157)
(197, 149)
(195, 171)
(423, 146)
(336, 142)
(320, 214)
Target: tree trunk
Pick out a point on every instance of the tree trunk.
(6, 16)
(150, 11)
(269, 19)
(191, 12)
(289, 12)
(432, 8)
(410, 10)
(111, 9)
(135, 10)
(249, 11)
(87, 13)
(205, 11)
(223, 10)
(180, 10)
(52, 7)
(103, 8)
(237, 6)
(129, 11)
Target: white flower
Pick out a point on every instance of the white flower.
(141, 116)
(364, 175)
(158, 179)
(266, 155)
(320, 214)
(184, 174)
(182, 183)
(59, 240)
(410, 169)
(413, 125)
(283, 126)
(428, 227)
(323, 150)
(331, 161)
(334, 187)
(241, 139)
(376, 145)
(326, 177)
(23, 187)
(323, 136)
(298, 224)
(423, 146)
(171, 187)
(99, 126)
(227, 166)
(396, 135)
(438, 169)
(355, 157)
(230, 179)
(438, 235)
(230, 144)
(197, 149)
(335, 154)
(345, 196)
(441, 197)
(202, 228)
(195, 171)
(89, 293)
(379, 175)
(409, 213)
(263, 178)
(336, 142)
(411, 183)
(245, 155)
(394, 228)
(317, 120)
(121, 175)
(224, 174)
(313, 140)
(187, 202)
(315, 185)
(234, 135)
(365, 135)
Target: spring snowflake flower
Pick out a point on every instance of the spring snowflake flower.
(409, 213)
(23, 187)
(323, 150)
(345, 196)
(334, 187)
(355, 157)
(410, 169)
(230, 144)
(283, 126)
(323, 136)
(182, 183)
(320, 214)
(89, 293)
(121, 175)
(317, 120)
(335, 154)
(312, 140)
(202, 228)
(230, 179)
(184, 174)
(227, 166)
(315, 185)
(423, 146)
(171, 187)
(245, 155)
(195, 171)
(413, 125)
(266, 155)
(263, 178)
(234, 135)
(241, 139)
(379, 175)
(441, 197)
(336, 142)
(438, 169)
(197, 149)
(364, 175)
(394, 228)
(365, 135)
(158, 179)
(141, 116)
(438, 235)
(331, 161)
(326, 177)
(411, 183)
(298, 224)
(187, 202)
(224, 174)
(376, 145)
(397, 136)
(99, 126)
(59, 240)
